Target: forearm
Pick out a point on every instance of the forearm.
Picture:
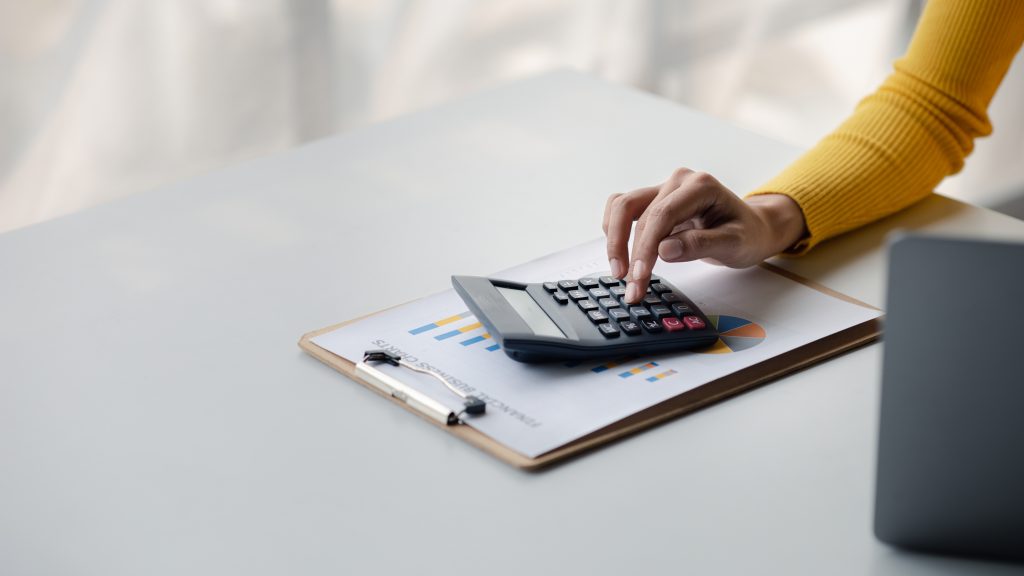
(916, 129)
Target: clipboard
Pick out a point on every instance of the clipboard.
(692, 400)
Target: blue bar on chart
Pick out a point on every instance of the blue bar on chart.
(634, 371)
(657, 377)
(609, 365)
(457, 331)
(439, 323)
(475, 339)
(481, 338)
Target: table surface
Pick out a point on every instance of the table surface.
(156, 416)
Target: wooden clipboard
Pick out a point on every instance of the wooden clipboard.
(705, 395)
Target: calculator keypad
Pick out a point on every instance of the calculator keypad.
(661, 311)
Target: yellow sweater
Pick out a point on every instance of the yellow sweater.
(916, 129)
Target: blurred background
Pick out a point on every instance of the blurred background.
(103, 98)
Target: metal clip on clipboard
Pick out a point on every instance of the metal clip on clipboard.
(413, 398)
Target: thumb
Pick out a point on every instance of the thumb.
(694, 244)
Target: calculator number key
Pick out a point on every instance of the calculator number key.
(682, 309)
(618, 314)
(607, 303)
(639, 313)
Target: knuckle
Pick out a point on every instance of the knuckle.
(658, 212)
(680, 174)
(630, 204)
(703, 179)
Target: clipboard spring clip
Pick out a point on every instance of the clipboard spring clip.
(471, 404)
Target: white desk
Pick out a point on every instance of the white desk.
(156, 416)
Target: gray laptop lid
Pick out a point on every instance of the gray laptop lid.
(951, 438)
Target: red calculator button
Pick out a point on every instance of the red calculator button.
(673, 324)
(693, 322)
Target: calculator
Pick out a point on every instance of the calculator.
(584, 319)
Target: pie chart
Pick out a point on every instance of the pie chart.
(734, 335)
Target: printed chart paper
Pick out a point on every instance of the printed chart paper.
(534, 409)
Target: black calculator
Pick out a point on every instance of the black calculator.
(583, 319)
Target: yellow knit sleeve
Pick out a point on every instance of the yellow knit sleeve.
(916, 129)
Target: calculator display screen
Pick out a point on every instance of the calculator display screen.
(531, 312)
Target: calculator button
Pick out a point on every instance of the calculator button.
(652, 300)
(630, 328)
(659, 287)
(608, 330)
(561, 298)
(618, 314)
(671, 297)
(617, 291)
(551, 287)
(587, 305)
(693, 322)
(608, 303)
(682, 309)
(639, 313)
(608, 281)
(567, 284)
(596, 316)
(661, 311)
(673, 324)
(651, 326)
(597, 293)
(577, 294)
(588, 283)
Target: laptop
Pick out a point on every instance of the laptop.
(950, 475)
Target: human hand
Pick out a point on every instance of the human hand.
(693, 216)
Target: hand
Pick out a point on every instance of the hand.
(693, 216)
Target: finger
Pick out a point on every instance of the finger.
(694, 244)
(664, 190)
(622, 212)
(608, 211)
(643, 269)
(689, 200)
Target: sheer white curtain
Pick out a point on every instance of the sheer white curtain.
(102, 98)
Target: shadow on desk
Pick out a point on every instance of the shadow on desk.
(893, 561)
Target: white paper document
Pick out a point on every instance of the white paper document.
(535, 408)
